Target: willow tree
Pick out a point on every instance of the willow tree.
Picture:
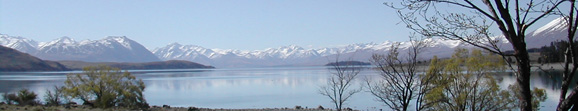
(105, 87)
(465, 82)
(470, 22)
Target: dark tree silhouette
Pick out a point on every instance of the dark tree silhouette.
(470, 22)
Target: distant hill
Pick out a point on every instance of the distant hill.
(171, 64)
(357, 63)
(13, 60)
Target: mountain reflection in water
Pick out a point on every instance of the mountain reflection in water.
(250, 87)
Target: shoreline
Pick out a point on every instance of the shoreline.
(548, 66)
(7, 107)
(535, 67)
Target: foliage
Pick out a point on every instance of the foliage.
(54, 97)
(105, 87)
(463, 82)
(338, 87)
(400, 82)
(554, 53)
(9, 98)
(470, 21)
(538, 95)
(26, 97)
(22, 97)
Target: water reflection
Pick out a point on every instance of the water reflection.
(551, 81)
(36, 81)
(249, 88)
(241, 88)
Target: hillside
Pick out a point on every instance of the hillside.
(171, 64)
(13, 60)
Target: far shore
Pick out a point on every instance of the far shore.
(549, 66)
(535, 67)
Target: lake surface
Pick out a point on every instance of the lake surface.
(246, 87)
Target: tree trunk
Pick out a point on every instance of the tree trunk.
(523, 77)
(569, 102)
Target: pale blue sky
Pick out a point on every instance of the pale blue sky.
(224, 24)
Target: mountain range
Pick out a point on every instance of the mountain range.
(287, 55)
(109, 49)
(122, 49)
(295, 55)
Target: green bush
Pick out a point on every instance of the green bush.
(22, 97)
(9, 98)
(105, 87)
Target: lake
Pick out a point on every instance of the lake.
(276, 87)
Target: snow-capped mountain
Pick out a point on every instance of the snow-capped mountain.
(122, 49)
(295, 55)
(555, 30)
(109, 49)
(19, 43)
(234, 58)
(290, 55)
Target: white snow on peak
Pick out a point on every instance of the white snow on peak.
(65, 40)
(123, 40)
(291, 54)
(18, 43)
(5, 40)
(109, 49)
(119, 39)
(83, 42)
(441, 42)
(554, 25)
(62, 41)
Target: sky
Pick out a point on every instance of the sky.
(223, 24)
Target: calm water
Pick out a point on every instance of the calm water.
(245, 88)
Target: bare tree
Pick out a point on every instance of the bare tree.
(571, 56)
(400, 82)
(54, 97)
(471, 21)
(339, 85)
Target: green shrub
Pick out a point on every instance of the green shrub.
(22, 97)
(10, 98)
(26, 97)
(105, 87)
